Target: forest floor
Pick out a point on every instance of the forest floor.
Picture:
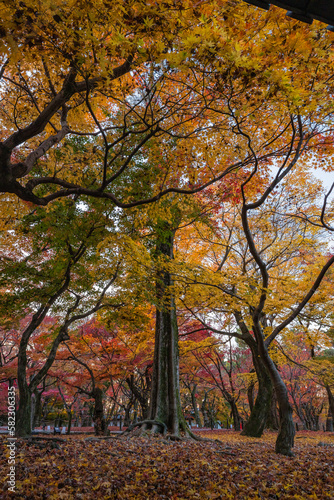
(149, 468)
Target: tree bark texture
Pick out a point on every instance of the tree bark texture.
(98, 415)
(273, 415)
(195, 406)
(257, 421)
(165, 401)
(165, 396)
(235, 415)
(330, 415)
(286, 432)
(69, 414)
(23, 418)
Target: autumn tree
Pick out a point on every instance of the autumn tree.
(94, 351)
(119, 77)
(104, 78)
(50, 279)
(110, 357)
(281, 245)
(219, 365)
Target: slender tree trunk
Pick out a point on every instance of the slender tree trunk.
(23, 420)
(286, 433)
(330, 415)
(24, 414)
(98, 416)
(69, 413)
(257, 421)
(204, 411)
(195, 406)
(140, 396)
(273, 415)
(127, 419)
(135, 412)
(235, 415)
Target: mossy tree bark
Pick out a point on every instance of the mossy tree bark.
(165, 396)
(165, 401)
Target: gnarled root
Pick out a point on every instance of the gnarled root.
(145, 425)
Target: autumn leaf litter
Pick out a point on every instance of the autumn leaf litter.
(232, 467)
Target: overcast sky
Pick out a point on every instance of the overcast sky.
(326, 177)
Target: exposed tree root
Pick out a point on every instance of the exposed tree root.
(174, 437)
(102, 438)
(41, 438)
(143, 430)
(43, 442)
(203, 439)
(145, 423)
(199, 438)
(131, 429)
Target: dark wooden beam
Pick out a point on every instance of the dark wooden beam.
(304, 10)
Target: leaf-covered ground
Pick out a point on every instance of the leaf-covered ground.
(236, 467)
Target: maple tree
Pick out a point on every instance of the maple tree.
(102, 79)
(308, 362)
(93, 389)
(116, 78)
(220, 365)
(259, 249)
(48, 278)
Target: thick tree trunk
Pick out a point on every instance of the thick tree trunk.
(165, 402)
(329, 421)
(38, 408)
(98, 416)
(165, 395)
(250, 396)
(33, 409)
(257, 421)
